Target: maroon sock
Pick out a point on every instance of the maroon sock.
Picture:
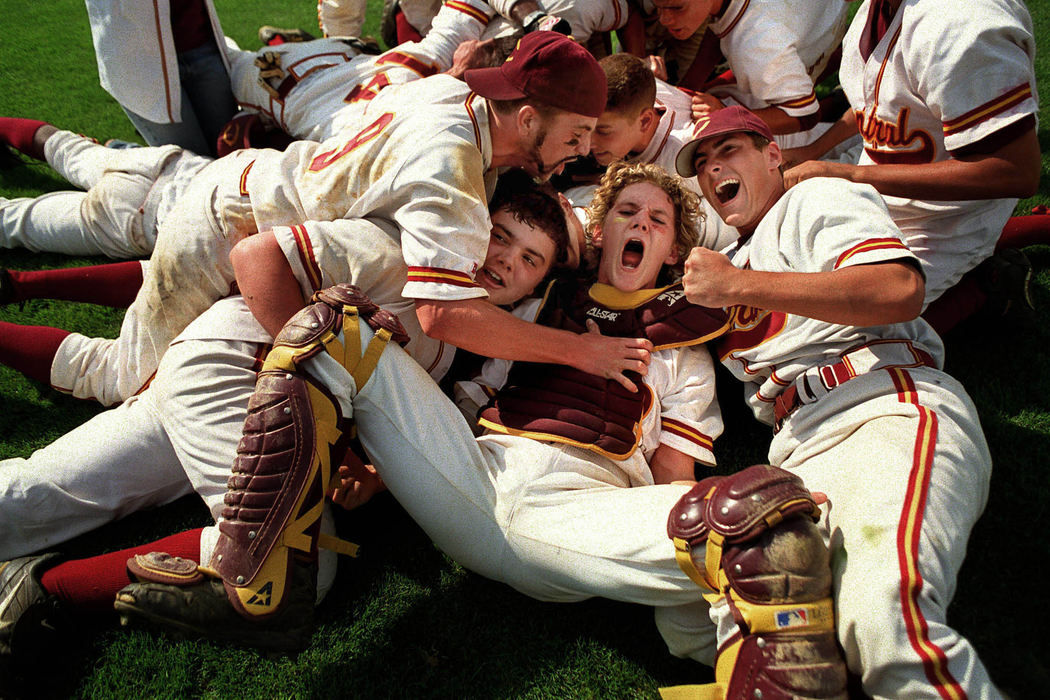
(1022, 231)
(113, 284)
(91, 585)
(405, 31)
(955, 305)
(19, 133)
(30, 349)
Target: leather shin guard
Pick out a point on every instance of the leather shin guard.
(294, 437)
(750, 538)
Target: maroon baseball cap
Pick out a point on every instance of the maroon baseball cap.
(547, 67)
(723, 121)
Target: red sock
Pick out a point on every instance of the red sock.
(405, 31)
(1022, 231)
(956, 304)
(30, 349)
(91, 585)
(19, 133)
(113, 284)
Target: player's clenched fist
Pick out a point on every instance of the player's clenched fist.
(709, 278)
(704, 104)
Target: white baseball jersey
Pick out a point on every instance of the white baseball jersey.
(777, 48)
(421, 162)
(894, 442)
(943, 77)
(316, 88)
(341, 17)
(135, 51)
(585, 17)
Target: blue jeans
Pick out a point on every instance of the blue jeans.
(207, 104)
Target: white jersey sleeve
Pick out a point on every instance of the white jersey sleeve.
(341, 17)
(684, 382)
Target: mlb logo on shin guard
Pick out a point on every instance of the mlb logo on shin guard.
(792, 618)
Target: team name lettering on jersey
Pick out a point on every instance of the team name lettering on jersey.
(325, 159)
(883, 133)
(751, 327)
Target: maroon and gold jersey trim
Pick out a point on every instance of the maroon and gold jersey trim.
(988, 110)
(306, 257)
(736, 19)
(244, 179)
(799, 103)
(469, 11)
(473, 118)
(437, 275)
(909, 529)
(410, 62)
(870, 245)
(687, 432)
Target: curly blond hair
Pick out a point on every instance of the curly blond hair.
(686, 203)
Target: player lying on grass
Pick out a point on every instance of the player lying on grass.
(424, 159)
(949, 141)
(825, 296)
(568, 493)
(129, 192)
(180, 434)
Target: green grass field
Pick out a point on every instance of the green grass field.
(404, 621)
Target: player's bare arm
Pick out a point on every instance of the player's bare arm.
(266, 281)
(860, 295)
(1011, 170)
(477, 326)
(843, 128)
(670, 465)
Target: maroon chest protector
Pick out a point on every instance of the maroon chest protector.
(563, 404)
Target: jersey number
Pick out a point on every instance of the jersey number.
(323, 160)
(367, 92)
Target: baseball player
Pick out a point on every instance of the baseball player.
(562, 504)
(439, 137)
(180, 434)
(129, 191)
(945, 100)
(648, 121)
(313, 89)
(824, 291)
(777, 52)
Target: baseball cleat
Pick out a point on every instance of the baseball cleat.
(203, 611)
(388, 23)
(275, 36)
(29, 615)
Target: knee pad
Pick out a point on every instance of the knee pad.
(294, 437)
(750, 539)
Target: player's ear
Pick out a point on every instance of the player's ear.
(775, 155)
(647, 117)
(527, 118)
(596, 236)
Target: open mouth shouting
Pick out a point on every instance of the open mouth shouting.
(727, 190)
(633, 254)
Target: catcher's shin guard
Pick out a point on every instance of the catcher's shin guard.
(750, 538)
(293, 436)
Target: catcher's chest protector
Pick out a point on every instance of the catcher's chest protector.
(751, 540)
(563, 404)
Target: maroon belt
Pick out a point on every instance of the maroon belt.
(832, 375)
